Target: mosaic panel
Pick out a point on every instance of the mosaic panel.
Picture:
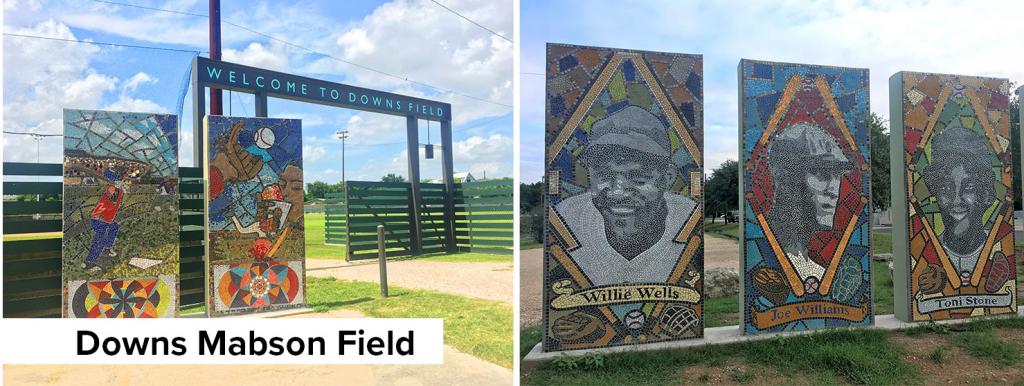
(255, 231)
(805, 220)
(257, 285)
(623, 253)
(120, 244)
(955, 252)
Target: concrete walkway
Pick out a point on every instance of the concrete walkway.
(489, 281)
(458, 369)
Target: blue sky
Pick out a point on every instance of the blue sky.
(971, 38)
(415, 39)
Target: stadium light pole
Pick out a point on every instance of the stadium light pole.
(343, 135)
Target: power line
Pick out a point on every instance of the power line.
(100, 43)
(152, 8)
(33, 134)
(225, 21)
(471, 21)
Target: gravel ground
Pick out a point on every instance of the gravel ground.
(458, 369)
(491, 281)
(718, 252)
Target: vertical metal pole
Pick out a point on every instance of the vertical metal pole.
(413, 148)
(344, 184)
(449, 186)
(198, 113)
(261, 104)
(383, 258)
(216, 104)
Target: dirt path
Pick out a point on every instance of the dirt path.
(490, 281)
(458, 369)
(718, 252)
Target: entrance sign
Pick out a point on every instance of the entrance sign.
(805, 212)
(120, 242)
(952, 167)
(233, 76)
(623, 254)
(255, 243)
(264, 84)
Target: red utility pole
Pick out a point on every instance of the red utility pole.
(216, 105)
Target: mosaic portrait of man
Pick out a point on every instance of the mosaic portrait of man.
(623, 245)
(630, 198)
(806, 231)
(806, 165)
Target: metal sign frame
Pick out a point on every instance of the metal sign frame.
(215, 74)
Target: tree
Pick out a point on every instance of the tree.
(320, 189)
(392, 177)
(880, 183)
(531, 211)
(530, 196)
(720, 191)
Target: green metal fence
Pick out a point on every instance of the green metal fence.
(385, 203)
(483, 218)
(334, 219)
(32, 266)
(489, 215)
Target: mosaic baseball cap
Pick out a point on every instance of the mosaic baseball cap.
(632, 128)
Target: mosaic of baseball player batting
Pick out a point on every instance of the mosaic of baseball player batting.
(120, 245)
(623, 255)
(958, 258)
(805, 212)
(256, 241)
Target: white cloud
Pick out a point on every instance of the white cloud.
(375, 129)
(424, 42)
(313, 153)
(482, 156)
(354, 43)
(256, 54)
(157, 27)
(51, 76)
(139, 79)
(31, 5)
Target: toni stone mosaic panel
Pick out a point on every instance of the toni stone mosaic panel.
(120, 244)
(255, 231)
(623, 254)
(952, 173)
(805, 209)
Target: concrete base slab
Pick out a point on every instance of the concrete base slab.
(727, 335)
(267, 315)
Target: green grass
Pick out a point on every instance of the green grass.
(882, 242)
(528, 337)
(481, 328)
(723, 311)
(315, 239)
(529, 243)
(33, 236)
(882, 286)
(470, 257)
(722, 230)
(855, 356)
(986, 346)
